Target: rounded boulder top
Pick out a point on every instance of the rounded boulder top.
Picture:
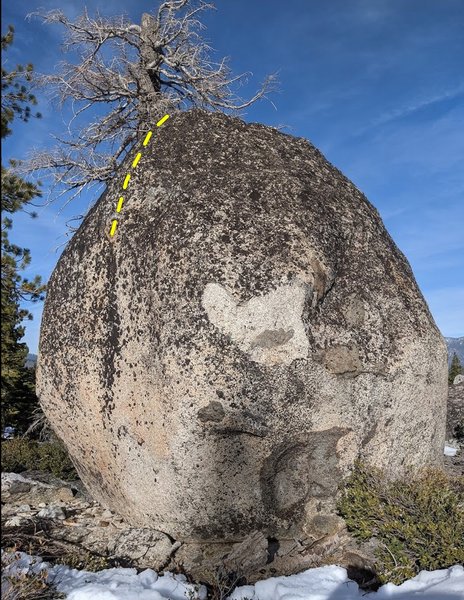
(217, 366)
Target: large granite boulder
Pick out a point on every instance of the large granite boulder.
(217, 366)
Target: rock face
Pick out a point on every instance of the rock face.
(216, 367)
(455, 417)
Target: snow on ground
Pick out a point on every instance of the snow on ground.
(332, 583)
(450, 451)
(9, 478)
(323, 583)
(109, 584)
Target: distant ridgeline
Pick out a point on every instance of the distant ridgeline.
(31, 361)
(455, 345)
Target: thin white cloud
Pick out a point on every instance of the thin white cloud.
(418, 104)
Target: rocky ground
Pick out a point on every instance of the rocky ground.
(57, 520)
(454, 465)
(455, 407)
(37, 506)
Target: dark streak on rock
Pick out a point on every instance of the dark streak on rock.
(111, 345)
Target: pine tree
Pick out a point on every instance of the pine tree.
(455, 368)
(17, 382)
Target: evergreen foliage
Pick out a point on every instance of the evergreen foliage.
(417, 521)
(455, 368)
(17, 382)
(22, 454)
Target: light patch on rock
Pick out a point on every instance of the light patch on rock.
(268, 328)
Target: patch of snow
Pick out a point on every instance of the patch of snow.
(121, 584)
(9, 478)
(445, 584)
(109, 584)
(332, 583)
(450, 451)
(323, 583)
(8, 433)
(22, 563)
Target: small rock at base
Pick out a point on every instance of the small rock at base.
(16, 521)
(52, 512)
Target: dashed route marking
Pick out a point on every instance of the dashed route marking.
(114, 223)
(126, 182)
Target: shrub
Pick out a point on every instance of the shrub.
(84, 560)
(22, 454)
(418, 520)
(54, 458)
(19, 455)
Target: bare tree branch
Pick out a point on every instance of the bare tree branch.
(136, 73)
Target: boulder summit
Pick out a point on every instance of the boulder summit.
(218, 365)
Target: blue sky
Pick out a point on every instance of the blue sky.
(377, 85)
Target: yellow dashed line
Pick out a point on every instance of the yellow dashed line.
(135, 162)
(126, 182)
(114, 224)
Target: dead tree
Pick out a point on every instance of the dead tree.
(136, 73)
